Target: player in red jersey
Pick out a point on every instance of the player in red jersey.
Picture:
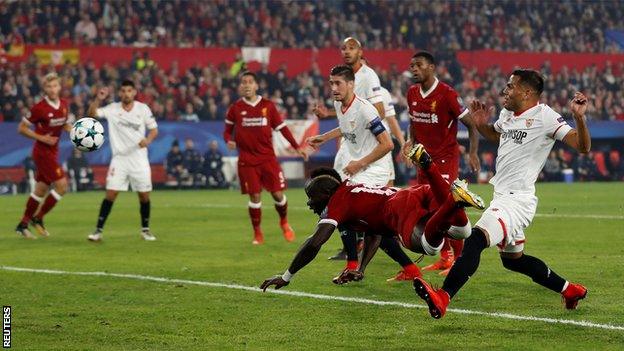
(50, 118)
(253, 119)
(434, 109)
(382, 212)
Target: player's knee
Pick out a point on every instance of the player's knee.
(460, 233)
(476, 242)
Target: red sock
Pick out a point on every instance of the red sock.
(282, 209)
(352, 265)
(412, 269)
(31, 207)
(445, 253)
(438, 224)
(255, 213)
(48, 204)
(457, 245)
(439, 186)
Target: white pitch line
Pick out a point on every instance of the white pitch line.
(584, 324)
(302, 208)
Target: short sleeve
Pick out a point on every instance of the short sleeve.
(229, 117)
(373, 90)
(555, 127)
(34, 117)
(336, 211)
(373, 121)
(148, 119)
(104, 112)
(457, 109)
(498, 125)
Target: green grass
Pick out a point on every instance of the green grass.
(206, 236)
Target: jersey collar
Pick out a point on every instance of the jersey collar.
(518, 114)
(253, 104)
(344, 109)
(433, 86)
(56, 105)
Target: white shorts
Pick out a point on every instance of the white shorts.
(506, 218)
(377, 174)
(124, 171)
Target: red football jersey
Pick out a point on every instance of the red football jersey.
(383, 211)
(48, 120)
(253, 130)
(434, 115)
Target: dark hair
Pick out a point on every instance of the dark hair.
(325, 171)
(323, 179)
(531, 78)
(127, 83)
(343, 71)
(426, 55)
(250, 74)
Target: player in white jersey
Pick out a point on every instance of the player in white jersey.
(368, 87)
(526, 132)
(128, 121)
(392, 125)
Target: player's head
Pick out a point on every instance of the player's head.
(127, 91)
(523, 88)
(341, 82)
(422, 66)
(52, 85)
(351, 50)
(322, 185)
(248, 84)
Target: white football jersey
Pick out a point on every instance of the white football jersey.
(355, 123)
(525, 142)
(367, 85)
(127, 128)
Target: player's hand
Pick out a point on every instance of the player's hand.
(144, 143)
(578, 105)
(231, 145)
(347, 276)
(49, 139)
(315, 142)
(480, 112)
(404, 150)
(303, 153)
(320, 111)
(353, 167)
(276, 280)
(102, 93)
(475, 163)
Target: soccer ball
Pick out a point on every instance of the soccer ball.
(87, 134)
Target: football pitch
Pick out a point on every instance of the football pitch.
(194, 288)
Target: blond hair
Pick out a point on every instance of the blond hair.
(50, 77)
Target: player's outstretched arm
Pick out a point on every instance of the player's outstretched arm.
(318, 140)
(473, 136)
(306, 254)
(99, 97)
(481, 116)
(24, 129)
(323, 112)
(579, 138)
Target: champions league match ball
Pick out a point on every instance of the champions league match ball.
(87, 134)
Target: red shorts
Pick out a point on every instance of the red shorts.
(448, 167)
(267, 175)
(48, 168)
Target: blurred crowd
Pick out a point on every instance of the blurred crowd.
(205, 92)
(527, 25)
